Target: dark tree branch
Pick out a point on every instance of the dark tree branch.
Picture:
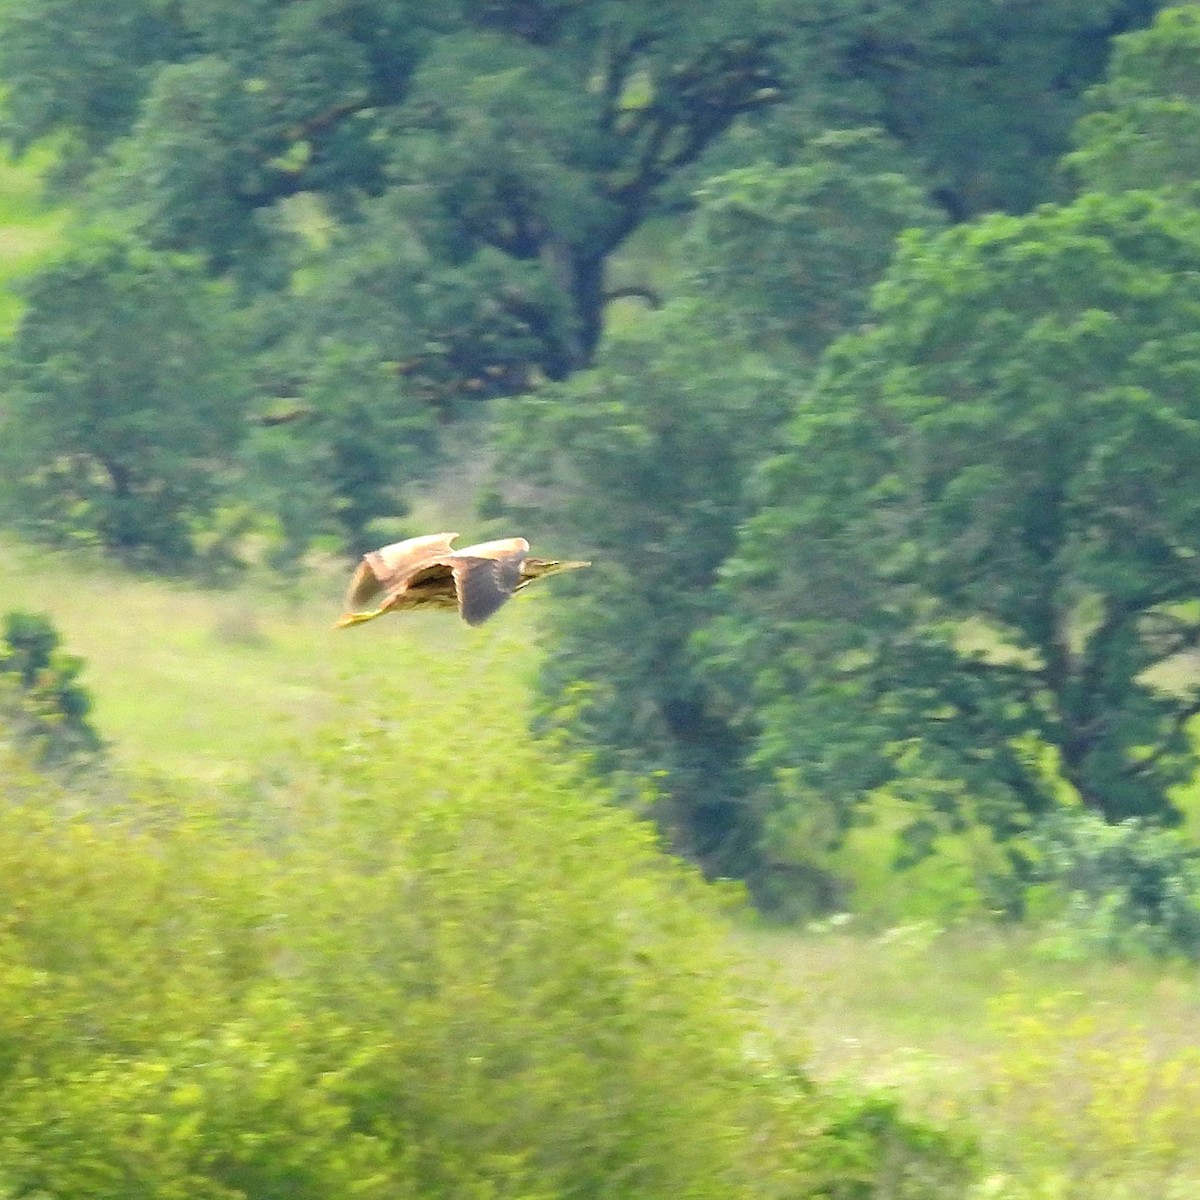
(1179, 720)
(634, 291)
(308, 128)
(616, 76)
(693, 104)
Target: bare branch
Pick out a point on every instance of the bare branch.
(634, 291)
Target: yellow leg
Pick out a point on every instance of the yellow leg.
(348, 619)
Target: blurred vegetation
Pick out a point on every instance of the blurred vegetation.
(480, 979)
(42, 701)
(1090, 1108)
(1127, 889)
(1079, 1076)
(855, 342)
(311, 241)
(29, 228)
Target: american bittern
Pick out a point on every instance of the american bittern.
(424, 572)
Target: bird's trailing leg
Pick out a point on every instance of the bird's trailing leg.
(356, 618)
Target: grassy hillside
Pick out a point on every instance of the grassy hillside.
(200, 684)
(1080, 1079)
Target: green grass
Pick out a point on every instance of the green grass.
(1080, 1079)
(201, 684)
(1065, 1070)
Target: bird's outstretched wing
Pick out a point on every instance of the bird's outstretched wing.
(502, 548)
(384, 570)
(484, 584)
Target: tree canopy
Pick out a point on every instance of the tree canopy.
(646, 462)
(646, 457)
(1142, 128)
(536, 135)
(533, 138)
(380, 218)
(982, 538)
(982, 96)
(125, 393)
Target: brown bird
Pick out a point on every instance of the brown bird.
(425, 572)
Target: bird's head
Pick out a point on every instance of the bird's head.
(539, 568)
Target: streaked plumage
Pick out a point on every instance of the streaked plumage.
(426, 572)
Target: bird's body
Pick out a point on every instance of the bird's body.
(427, 572)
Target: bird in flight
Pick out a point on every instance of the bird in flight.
(426, 572)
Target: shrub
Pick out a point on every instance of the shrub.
(1128, 888)
(41, 699)
(869, 1150)
(417, 959)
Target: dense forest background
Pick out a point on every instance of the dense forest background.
(857, 343)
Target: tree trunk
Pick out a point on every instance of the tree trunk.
(587, 300)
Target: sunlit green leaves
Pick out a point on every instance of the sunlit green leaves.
(989, 499)
(790, 253)
(420, 955)
(1143, 127)
(124, 391)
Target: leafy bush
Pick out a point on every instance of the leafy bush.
(417, 959)
(870, 1150)
(41, 699)
(1128, 888)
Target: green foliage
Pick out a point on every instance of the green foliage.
(446, 331)
(790, 253)
(1143, 127)
(182, 178)
(557, 1002)
(522, 162)
(124, 394)
(981, 536)
(42, 701)
(871, 1150)
(497, 985)
(523, 155)
(1123, 889)
(1087, 1109)
(357, 439)
(649, 457)
(516, 149)
(982, 96)
(78, 66)
(904, 861)
(646, 460)
(31, 227)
